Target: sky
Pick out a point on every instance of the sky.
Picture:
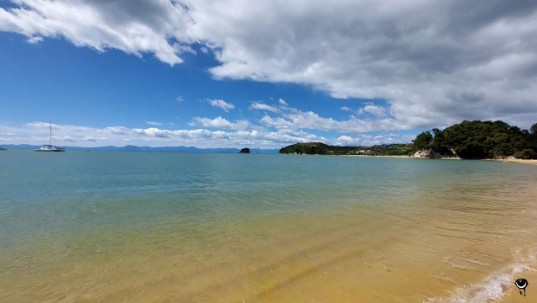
(261, 74)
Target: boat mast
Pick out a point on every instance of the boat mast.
(50, 126)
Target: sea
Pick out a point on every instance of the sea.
(176, 227)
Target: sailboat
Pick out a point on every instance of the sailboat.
(50, 147)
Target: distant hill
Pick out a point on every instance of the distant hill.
(317, 148)
(176, 149)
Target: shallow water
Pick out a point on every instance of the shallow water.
(168, 227)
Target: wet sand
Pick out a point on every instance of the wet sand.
(513, 296)
(450, 253)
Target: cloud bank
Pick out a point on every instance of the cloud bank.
(434, 62)
(279, 125)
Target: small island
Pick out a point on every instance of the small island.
(245, 150)
(466, 140)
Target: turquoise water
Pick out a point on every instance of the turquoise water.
(87, 189)
(84, 190)
(59, 210)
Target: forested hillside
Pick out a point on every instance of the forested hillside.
(316, 148)
(480, 140)
(466, 140)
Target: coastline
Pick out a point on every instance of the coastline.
(377, 156)
(521, 161)
(379, 231)
(513, 296)
(511, 160)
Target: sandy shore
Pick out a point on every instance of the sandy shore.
(533, 162)
(510, 160)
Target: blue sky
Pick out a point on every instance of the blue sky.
(233, 74)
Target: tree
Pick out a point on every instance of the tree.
(423, 141)
(526, 154)
(471, 150)
(480, 139)
(532, 137)
(502, 150)
(533, 128)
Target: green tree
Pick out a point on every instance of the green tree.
(526, 154)
(502, 150)
(423, 141)
(480, 139)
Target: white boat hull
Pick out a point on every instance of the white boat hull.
(50, 148)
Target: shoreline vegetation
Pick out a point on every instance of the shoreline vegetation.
(318, 148)
(478, 140)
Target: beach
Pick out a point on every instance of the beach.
(165, 227)
(515, 297)
(521, 161)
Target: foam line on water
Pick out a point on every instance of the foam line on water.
(495, 286)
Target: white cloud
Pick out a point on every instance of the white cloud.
(375, 110)
(369, 140)
(154, 132)
(115, 130)
(435, 62)
(217, 132)
(134, 26)
(345, 141)
(35, 40)
(219, 122)
(227, 134)
(262, 106)
(295, 119)
(221, 104)
(368, 108)
(152, 123)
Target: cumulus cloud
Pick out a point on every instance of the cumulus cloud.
(375, 110)
(295, 119)
(369, 139)
(368, 108)
(218, 133)
(221, 104)
(258, 105)
(134, 26)
(220, 122)
(434, 62)
(115, 130)
(428, 59)
(35, 40)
